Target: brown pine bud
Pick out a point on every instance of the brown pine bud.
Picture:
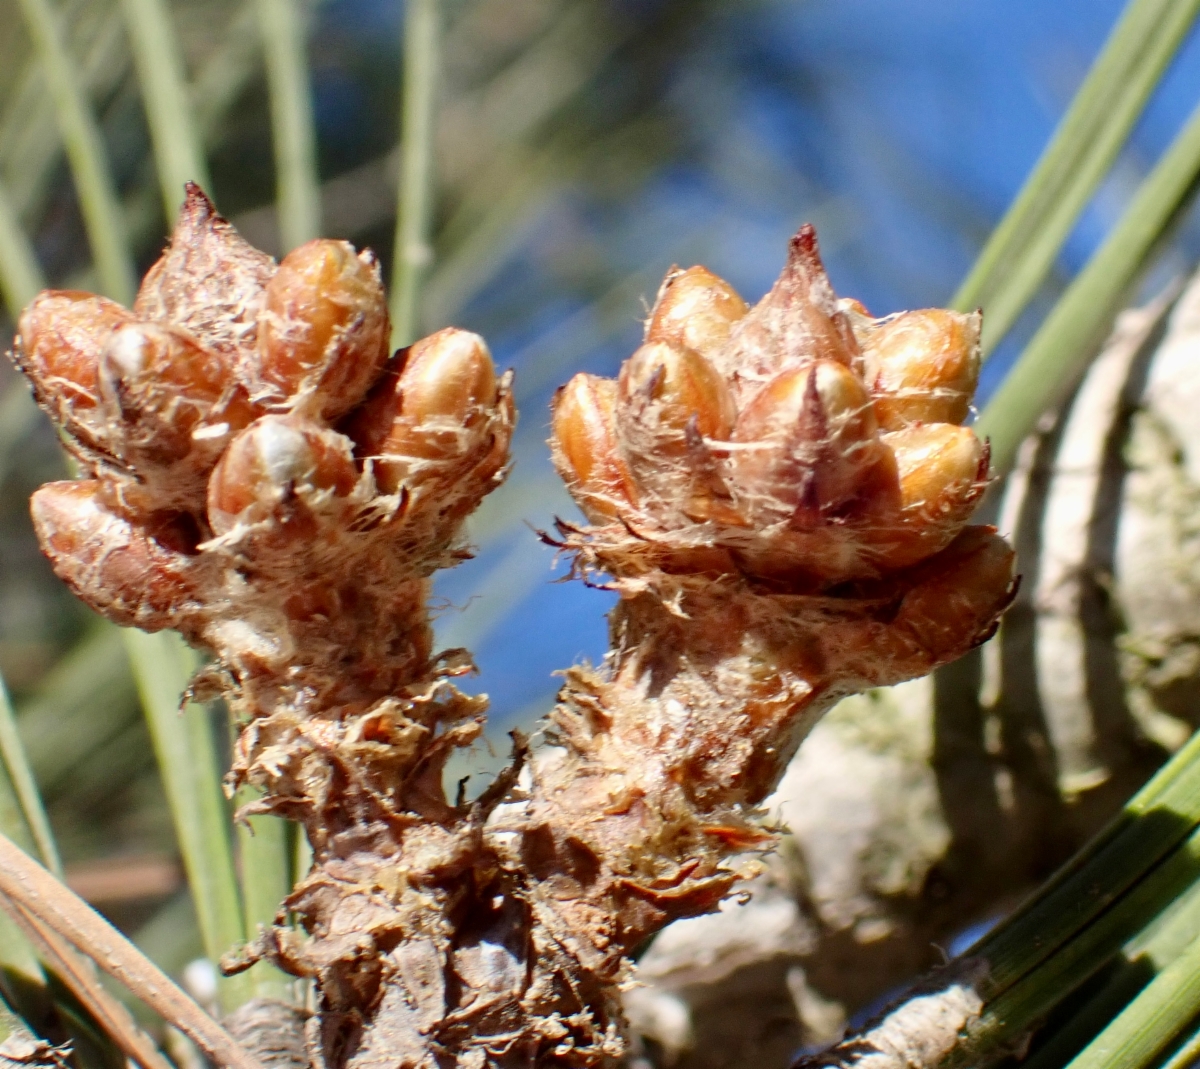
(585, 449)
(281, 467)
(943, 469)
(941, 472)
(695, 310)
(797, 322)
(167, 397)
(805, 444)
(61, 336)
(115, 566)
(430, 407)
(672, 386)
(924, 366)
(209, 281)
(323, 331)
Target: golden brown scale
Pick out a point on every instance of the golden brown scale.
(585, 421)
(677, 384)
(117, 567)
(323, 331)
(695, 310)
(430, 414)
(780, 497)
(60, 337)
(803, 445)
(922, 366)
(278, 460)
(170, 407)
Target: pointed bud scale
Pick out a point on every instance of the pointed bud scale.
(924, 366)
(672, 386)
(209, 281)
(797, 322)
(323, 331)
(430, 407)
(112, 564)
(275, 464)
(446, 378)
(61, 336)
(167, 397)
(585, 448)
(695, 310)
(804, 443)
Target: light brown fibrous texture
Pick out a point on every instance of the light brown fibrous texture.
(257, 476)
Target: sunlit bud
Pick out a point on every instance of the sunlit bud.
(923, 366)
(677, 385)
(940, 473)
(275, 462)
(585, 447)
(112, 564)
(427, 407)
(323, 330)
(943, 468)
(805, 442)
(695, 310)
(61, 336)
(167, 396)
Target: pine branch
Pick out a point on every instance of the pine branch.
(780, 495)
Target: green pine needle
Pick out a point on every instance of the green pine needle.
(86, 153)
(183, 742)
(1062, 346)
(178, 154)
(413, 253)
(298, 188)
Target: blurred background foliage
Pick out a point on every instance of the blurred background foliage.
(581, 147)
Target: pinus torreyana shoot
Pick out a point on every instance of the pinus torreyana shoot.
(779, 494)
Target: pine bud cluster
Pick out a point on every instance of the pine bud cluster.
(247, 411)
(779, 494)
(802, 442)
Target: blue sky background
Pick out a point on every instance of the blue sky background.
(903, 128)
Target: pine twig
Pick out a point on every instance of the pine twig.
(781, 495)
(34, 890)
(80, 977)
